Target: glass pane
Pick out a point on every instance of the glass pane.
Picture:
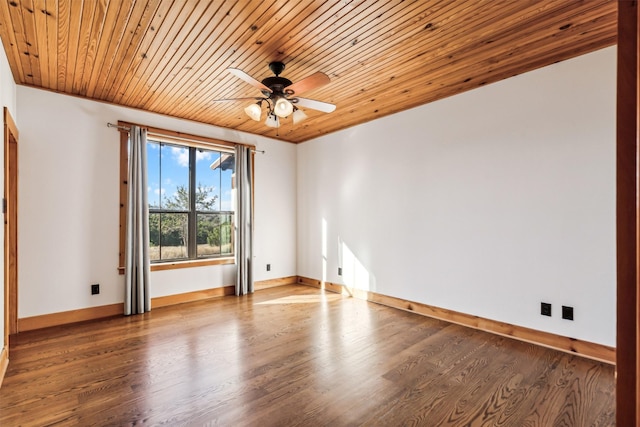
(153, 174)
(227, 184)
(174, 235)
(226, 234)
(174, 186)
(208, 180)
(208, 240)
(154, 236)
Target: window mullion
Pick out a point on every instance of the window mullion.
(193, 226)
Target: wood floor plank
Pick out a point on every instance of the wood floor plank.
(293, 355)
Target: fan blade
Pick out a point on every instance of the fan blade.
(252, 98)
(247, 78)
(325, 107)
(313, 81)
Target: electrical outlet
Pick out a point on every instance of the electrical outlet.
(268, 267)
(95, 289)
(545, 309)
(339, 271)
(567, 312)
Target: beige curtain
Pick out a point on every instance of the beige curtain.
(137, 298)
(244, 223)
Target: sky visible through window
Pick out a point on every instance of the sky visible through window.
(168, 169)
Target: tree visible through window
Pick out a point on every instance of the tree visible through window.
(190, 194)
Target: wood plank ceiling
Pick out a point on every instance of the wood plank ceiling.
(171, 56)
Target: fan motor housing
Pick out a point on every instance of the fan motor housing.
(276, 84)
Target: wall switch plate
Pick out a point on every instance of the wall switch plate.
(545, 309)
(268, 267)
(567, 312)
(95, 289)
(339, 271)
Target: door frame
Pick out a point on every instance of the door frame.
(628, 216)
(10, 226)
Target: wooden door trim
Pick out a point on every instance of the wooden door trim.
(10, 245)
(627, 216)
(10, 125)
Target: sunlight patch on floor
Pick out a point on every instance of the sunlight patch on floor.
(302, 299)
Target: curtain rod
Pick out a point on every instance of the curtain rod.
(111, 125)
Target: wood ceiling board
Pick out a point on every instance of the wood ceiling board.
(452, 82)
(164, 58)
(171, 57)
(110, 43)
(39, 27)
(23, 53)
(32, 42)
(133, 53)
(343, 46)
(423, 53)
(444, 64)
(9, 42)
(52, 43)
(136, 25)
(156, 50)
(448, 71)
(261, 72)
(62, 17)
(89, 45)
(213, 59)
(101, 44)
(75, 16)
(377, 84)
(230, 84)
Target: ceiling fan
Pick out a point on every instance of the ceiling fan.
(281, 95)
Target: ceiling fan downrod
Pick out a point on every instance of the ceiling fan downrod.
(276, 83)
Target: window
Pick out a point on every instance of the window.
(191, 191)
(190, 202)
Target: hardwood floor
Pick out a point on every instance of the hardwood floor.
(293, 355)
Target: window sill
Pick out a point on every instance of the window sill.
(188, 264)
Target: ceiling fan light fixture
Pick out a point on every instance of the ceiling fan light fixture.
(254, 111)
(283, 108)
(281, 96)
(272, 121)
(298, 116)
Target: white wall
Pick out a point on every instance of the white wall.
(486, 203)
(275, 199)
(68, 204)
(7, 86)
(7, 99)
